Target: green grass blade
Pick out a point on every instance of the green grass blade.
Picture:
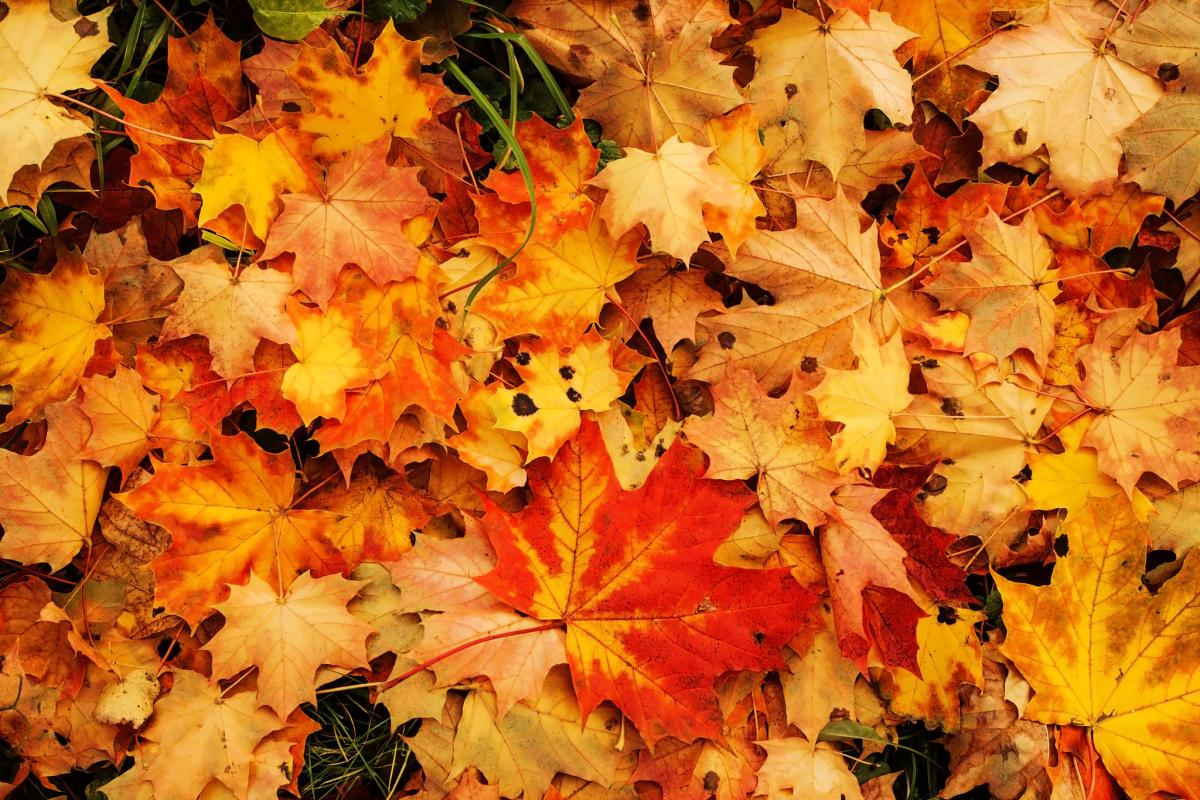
(506, 133)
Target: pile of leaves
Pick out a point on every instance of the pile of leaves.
(794, 379)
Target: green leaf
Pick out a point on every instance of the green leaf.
(400, 11)
(290, 20)
(849, 729)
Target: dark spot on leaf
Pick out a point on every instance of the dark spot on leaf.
(951, 407)
(641, 11)
(712, 781)
(947, 615)
(1168, 72)
(3, 11)
(1020, 136)
(659, 450)
(935, 485)
(808, 364)
(523, 405)
(726, 340)
(1024, 475)
(86, 27)
(524, 358)
(573, 395)
(790, 90)
(1061, 545)
(759, 637)
(567, 372)
(290, 105)
(576, 53)
(932, 234)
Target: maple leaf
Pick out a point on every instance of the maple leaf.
(440, 575)
(232, 310)
(228, 517)
(1099, 650)
(739, 152)
(864, 401)
(926, 225)
(288, 635)
(49, 500)
(820, 274)
(251, 174)
(1093, 94)
(780, 441)
(948, 657)
(797, 768)
(53, 331)
(121, 414)
(815, 81)
(818, 682)
(1007, 288)
(48, 56)
(225, 728)
(673, 92)
(585, 552)
(666, 191)
(358, 219)
(558, 290)
(329, 360)
(354, 107)
(1161, 147)
(559, 385)
(1147, 404)
(671, 297)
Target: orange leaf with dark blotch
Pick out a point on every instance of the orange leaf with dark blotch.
(927, 225)
(359, 220)
(561, 161)
(227, 517)
(651, 619)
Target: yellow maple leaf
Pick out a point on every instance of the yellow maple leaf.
(252, 174)
(331, 358)
(815, 81)
(288, 635)
(666, 191)
(559, 386)
(388, 96)
(1060, 90)
(43, 55)
(1101, 651)
(864, 400)
(54, 332)
(1072, 479)
(740, 154)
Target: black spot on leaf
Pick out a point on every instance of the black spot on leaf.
(523, 405)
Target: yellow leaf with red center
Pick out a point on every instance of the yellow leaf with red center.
(560, 383)
(52, 333)
(358, 220)
(122, 414)
(288, 635)
(781, 441)
(666, 191)
(233, 311)
(561, 161)
(387, 96)
(228, 517)
(252, 174)
(1101, 651)
(558, 290)
(330, 358)
(1150, 409)
(1007, 288)
(594, 557)
(49, 500)
(740, 155)
(864, 400)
